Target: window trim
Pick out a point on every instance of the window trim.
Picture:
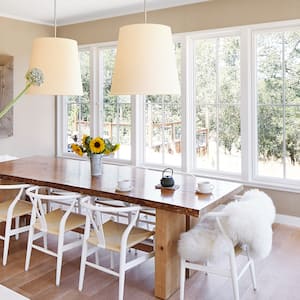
(289, 184)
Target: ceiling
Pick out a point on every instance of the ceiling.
(76, 11)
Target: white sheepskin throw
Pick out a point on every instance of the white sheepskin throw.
(248, 222)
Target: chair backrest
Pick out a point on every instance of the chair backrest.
(19, 188)
(39, 210)
(96, 214)
(246, 222)
(249, 221)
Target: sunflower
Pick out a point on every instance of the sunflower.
(97, 145)
(77, 149)
(84, 140)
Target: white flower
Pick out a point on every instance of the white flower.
(35, 77)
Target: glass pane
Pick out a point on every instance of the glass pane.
(163, 125)
(172, 130)
(269, 68)
(217, 75)
(78, 108)
(206, 92)
(206, 137)
(117, 110)
(205, 71)
(230, 138)
(292, 70)
(293, 142)
(229, 70)
(270, 139)
(154, 133)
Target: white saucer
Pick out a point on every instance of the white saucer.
(123, 190)
(205, 193)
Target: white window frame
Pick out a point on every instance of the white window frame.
(267, 181)
(96, 105)
(193, 38)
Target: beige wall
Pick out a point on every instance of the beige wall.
(34, 116)
(286, 203)
(207, 15)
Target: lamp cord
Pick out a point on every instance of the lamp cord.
(145, 12)
(54, 18)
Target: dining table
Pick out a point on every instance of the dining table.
(174, 206)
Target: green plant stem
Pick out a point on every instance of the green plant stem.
(12, 102)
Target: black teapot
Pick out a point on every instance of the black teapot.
(167, 180)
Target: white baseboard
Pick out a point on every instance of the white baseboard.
(287, 220)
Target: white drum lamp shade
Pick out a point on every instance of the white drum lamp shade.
(145, 62)
(58, 59)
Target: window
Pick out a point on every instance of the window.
(78, 108)
(163, 126)
(96, 112)
(238, 116)
(116, 110)
(217, 100)
(278, 103)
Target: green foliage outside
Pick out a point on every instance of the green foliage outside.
(278, 92)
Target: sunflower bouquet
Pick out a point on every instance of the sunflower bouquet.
(97, 145)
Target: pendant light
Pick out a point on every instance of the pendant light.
(145, 62)
(58, 59)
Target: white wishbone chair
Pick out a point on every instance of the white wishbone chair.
(13, 209)
(113, 236)
(230, 272)
(56, 222)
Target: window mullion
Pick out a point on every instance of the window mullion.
(218, 102)
(99, 91)
(284, 108)
(246, 108)
(138, 130)
(187, 105)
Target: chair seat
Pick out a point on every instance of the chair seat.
(54, 217)
(21, 208)
(113, 233)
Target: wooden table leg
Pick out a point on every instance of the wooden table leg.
(167, 268)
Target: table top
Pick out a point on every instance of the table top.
(74, 175)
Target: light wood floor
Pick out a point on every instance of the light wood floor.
(277, 276)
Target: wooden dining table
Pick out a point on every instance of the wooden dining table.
(173, 207)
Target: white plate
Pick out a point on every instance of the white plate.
(205, 193)
(123, 190)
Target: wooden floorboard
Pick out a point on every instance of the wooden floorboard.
(277, 276)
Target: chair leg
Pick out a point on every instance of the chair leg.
(17, 225)
(59, 258)
(234, 276)
(253, 277)
(45, 241)
(82, 265)
(112, 260)
(6, 241)
(182, 278)
(122, 273)
(97, 260)
(29, 248)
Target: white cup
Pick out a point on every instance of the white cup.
(205, 187)
(124, 184)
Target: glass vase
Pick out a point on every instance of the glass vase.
(96, 164)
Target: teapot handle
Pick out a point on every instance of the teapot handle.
(167, 169)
